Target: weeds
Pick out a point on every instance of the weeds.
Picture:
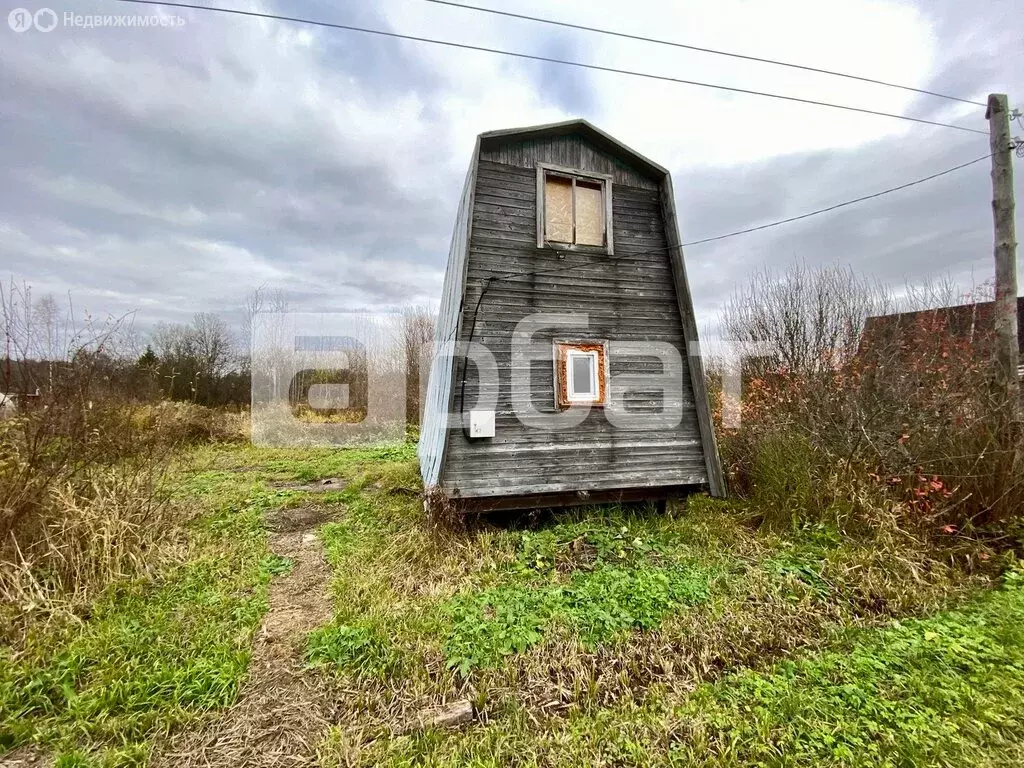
(581, 638)
(150, 653)
(946, 690)
(863, 424)
(359, 648)
(942, 690)
(599, 606)
(85, 508)
(574, 615)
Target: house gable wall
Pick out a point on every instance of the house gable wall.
(627, 297)
(570, 151)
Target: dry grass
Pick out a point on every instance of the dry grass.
(773, 595)
(85, 501)
(353, 651)
(116, 525)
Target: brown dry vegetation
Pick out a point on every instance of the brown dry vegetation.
(902, 423)
(83, 464)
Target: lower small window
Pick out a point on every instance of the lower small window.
(580, 373)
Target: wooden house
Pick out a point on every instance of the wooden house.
(571, 234)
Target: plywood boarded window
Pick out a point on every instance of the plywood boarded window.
(558, 209)
(589, 213)
(581, 373)
(573, 210)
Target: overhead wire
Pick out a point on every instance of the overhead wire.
(515, 276)
(701, 49)
(648, 75)
(549, 60)
(840, 205)
(791, 219)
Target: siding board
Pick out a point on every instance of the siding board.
(571, 151)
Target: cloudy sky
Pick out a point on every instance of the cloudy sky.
(171, 170)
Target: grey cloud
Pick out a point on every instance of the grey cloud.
(180, 202)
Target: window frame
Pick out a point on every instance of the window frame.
(605, 180)
(563, 351)
(572, 393)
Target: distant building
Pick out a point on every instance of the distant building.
(13, 402)
(973, 323)
(8, 404)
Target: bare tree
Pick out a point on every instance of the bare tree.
(419, 325)
(214, 343)
(262, 300)
(804, 320)
(194, 359)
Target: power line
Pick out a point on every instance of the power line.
(839, 205)
(547, 59)
(515, 276)
(700, 49)
(890, 190)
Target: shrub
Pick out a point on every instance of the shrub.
(905, 426)
(82, 502)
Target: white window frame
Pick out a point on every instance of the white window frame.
(605, 180)
(570, 377)
(562, 368)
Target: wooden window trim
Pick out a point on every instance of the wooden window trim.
(605, 180)
(560, 357)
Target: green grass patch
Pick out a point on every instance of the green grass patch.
(599, 605)
(947, 690)
(151, 654)
(600, 574)
(360, 648)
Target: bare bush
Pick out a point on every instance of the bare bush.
(803, 320)
(902, 413)
(81, 461)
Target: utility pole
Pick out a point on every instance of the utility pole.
(998, 115)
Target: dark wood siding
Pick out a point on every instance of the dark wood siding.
(571, 151)
(628, 297)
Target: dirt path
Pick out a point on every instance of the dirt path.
(282, 710)
(25, 757)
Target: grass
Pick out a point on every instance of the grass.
(153, 654)
(946, 690)
(602, 636)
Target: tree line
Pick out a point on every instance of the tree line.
(205, 361)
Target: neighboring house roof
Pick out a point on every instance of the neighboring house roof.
(966, 321)
(582, 128)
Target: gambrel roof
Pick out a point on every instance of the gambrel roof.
(585, 130)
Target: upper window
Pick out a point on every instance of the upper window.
(581, 373)
(574, 209)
